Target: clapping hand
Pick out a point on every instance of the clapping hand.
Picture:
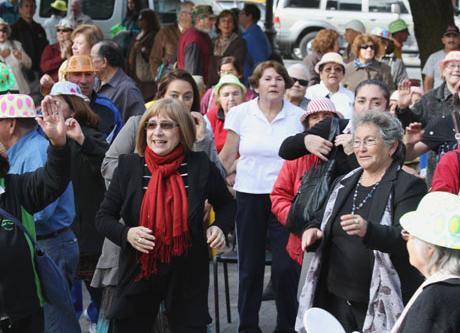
(17, 54)
(5, 53)
(74, 131)
(405, 95)
(52, 123)
(200, 125)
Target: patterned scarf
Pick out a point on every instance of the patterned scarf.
(221, 44)
(164, 210)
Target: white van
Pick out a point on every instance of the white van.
(107, 13)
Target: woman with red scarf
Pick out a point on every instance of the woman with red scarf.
(160, 194)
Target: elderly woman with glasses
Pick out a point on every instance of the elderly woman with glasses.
(160, 192)
(433, 243)
(360, 271)
(367, 49)
(331, 70)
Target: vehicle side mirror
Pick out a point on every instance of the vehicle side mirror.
(395, 8)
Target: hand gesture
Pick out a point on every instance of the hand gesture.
(52, 123)
(215, 237)
(318, 146)
(414, 133)
(310, 237)
(46, 83)
(141, 239)
(345, 140)
(5, 53)
(200, 125)
(17, 54)
(74, 131)
(353, 225)
(405, 95)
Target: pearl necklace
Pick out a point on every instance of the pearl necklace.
(369, 195)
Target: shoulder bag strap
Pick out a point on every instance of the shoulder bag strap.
(18, 224)
(454, 120)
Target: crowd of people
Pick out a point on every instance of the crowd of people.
(128, 159)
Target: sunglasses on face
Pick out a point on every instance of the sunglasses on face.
(164, 125)
(366, 46)
(63, 30)
(302, 82)
(4, 30)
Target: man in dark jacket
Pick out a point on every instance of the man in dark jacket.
(195, 47)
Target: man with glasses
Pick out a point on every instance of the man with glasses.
(296, 94)
(165, 45)
(33, 39)
(56, 53)
(451, 41)
(331, 70)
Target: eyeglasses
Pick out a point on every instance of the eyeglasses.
(164, 125)
(453, 66)
(366, 46)
(4, 30)
(337, 69)
(63, 30)
(302, 82)
(367, 142)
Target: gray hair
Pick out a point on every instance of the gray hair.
(443, 259)
(183, 6)
(300, 67)
(390, 127)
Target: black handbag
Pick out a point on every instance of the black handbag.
(313, 190)
(55, 288)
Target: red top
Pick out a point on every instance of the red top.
(284, 190)
(445, 176)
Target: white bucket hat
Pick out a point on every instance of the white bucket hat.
(330, 57)
(436, 220)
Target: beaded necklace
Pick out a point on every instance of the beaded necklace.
(369, 195)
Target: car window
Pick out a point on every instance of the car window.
(166, 10)
(351, 5)
(303, 3)
(99, 10)
(384, 6)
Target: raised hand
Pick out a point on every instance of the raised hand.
(74, 131)
(345, 140)
(52, 123)
(414, 133)
(405, 94)
(200, 125)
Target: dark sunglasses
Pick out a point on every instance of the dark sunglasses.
(302, 82)
(63, 30)
(164, 125)
(366, 46)
(4, 30)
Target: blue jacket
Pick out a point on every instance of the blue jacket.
(259, 49)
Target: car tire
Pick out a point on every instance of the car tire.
(304, 45)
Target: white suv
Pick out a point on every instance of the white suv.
(298, 21)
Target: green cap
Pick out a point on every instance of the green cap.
(7, 81)
(228, 79)
(201, 11)
(397, 26)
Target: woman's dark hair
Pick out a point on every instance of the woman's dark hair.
(380, 84)
(151, 18)
(110, 50)
(231, 60)
(179, 74)
(81, 111)
(226, 13)
(133, 14)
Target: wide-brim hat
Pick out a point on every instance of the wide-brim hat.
(226, 80)
(317, 105)
(7, 81)
(330, 57)
(450, 57)
(80, 64)
(67, 88)
(17, 106)
(59, 5)
(436, 220)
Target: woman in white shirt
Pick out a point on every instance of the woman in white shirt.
(331, 70)
(256, 130)
(12, 54)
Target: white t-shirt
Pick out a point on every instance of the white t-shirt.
(260, 140)
(431, 67)
(343, 99)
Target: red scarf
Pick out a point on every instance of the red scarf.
(164, 210)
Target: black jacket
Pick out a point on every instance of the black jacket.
(406, 191)
(124, 199)
(436, 309)
(31, 191)
(89, 188)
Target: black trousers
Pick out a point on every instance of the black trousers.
(253, 219)
(350, 314)
(33, 323)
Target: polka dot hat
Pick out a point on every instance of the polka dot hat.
(436, 220)
(7, 81)
(17, 106)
